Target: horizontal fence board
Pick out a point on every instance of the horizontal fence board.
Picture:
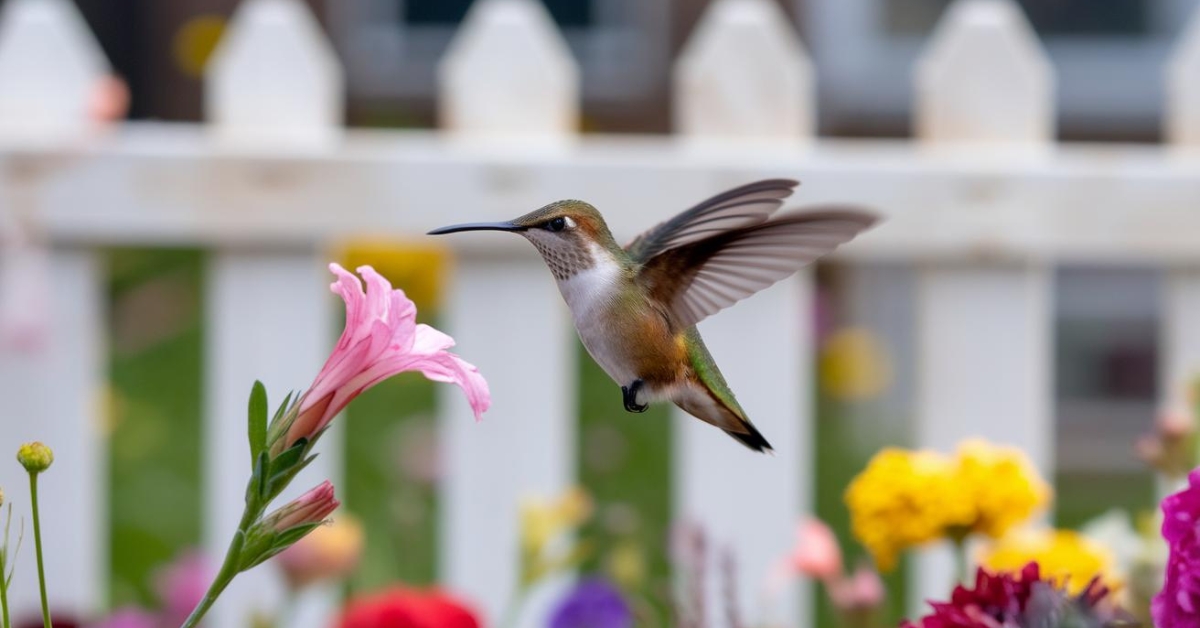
(163, 184)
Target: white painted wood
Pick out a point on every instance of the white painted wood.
(1081, 203)
(508, 71)
(984, 77)
(984, 327)
(745, 74)
(1180, 337)
(49, 67)
(745, 500)
(509, 320)
(274, 76)
(268, 317)
(55, 394)
(1181, 115)
(984, 351)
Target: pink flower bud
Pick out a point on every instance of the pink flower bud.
(817, 554)
(1175, 425)
(311, 507)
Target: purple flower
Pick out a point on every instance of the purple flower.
(1178, 604)
(592, 603)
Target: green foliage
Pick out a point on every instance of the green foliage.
(625, 464)
(154, 414)
(399, 511)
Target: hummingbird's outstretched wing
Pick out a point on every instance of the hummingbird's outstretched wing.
(743, 206)
(702, 277)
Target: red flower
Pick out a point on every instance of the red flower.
(407, 608)
(1004, 600)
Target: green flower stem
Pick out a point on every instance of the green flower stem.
(37, 546)
(5, 622)
(960, 560)
(229, 568)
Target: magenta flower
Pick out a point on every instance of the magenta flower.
(1178, 604)
(381, 339)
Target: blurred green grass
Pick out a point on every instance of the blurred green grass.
(624, 459)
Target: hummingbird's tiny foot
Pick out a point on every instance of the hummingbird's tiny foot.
(630, 395)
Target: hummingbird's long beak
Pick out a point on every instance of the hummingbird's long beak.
(478, 226)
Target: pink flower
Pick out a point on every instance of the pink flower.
(181, 586)
(1178, 604)
(381, 339)
(128, 617)
(311, 507)
(817, 554)
(861, 591)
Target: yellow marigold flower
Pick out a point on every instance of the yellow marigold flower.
(1062, 555)
(903, 499)
(1002, 484)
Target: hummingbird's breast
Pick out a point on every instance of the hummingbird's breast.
(619, 326)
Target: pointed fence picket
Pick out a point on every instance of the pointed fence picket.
(983, 327)
(976, 207)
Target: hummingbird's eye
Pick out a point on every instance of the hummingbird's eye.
(557, 224)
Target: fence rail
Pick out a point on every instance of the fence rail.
(982, 203)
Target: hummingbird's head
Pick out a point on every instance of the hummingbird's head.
(569, 234)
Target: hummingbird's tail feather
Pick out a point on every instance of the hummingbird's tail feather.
(752, 439)
(701, 403)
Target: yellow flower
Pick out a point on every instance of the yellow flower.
(627, 565)
(1062, 555)
(418, 268)
(1001, 483)
(543, 521)
(903, 499)
(854, 365)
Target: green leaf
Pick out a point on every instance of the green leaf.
(268, 545)
(258, 480)
(289, 457)
(258, 421)
(283, 407)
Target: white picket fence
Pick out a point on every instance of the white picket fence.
(982, 203)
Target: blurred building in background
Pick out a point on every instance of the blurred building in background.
(1108, 57)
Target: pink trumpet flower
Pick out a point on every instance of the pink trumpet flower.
(817, 554)
(381, 339)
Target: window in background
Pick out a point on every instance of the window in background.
(392, 48)
(1109, 58)
(1060, 17)
(1106, 335)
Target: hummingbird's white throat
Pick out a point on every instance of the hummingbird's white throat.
(590, 295)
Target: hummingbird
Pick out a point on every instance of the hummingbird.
(636, 307)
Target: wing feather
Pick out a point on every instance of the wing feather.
(704, 276)
(740, 207)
